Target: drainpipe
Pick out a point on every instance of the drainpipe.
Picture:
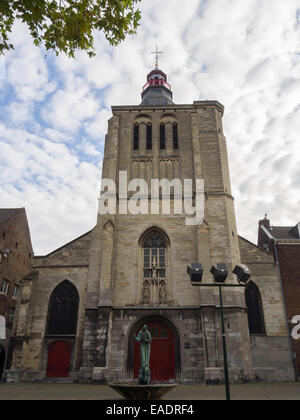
(286, 315)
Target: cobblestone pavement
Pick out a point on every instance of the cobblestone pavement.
(55, 391)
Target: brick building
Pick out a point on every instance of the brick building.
(82, 304)
(15, 263)
(284, 243)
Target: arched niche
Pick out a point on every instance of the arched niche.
(168, 338)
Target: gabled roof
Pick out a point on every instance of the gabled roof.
(284, 232)
(63, 246)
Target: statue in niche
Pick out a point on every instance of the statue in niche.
(144, 337)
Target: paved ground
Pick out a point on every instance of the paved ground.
(53, 391)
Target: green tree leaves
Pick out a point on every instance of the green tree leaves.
(64, 26)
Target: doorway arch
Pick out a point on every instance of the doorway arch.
(165, 349)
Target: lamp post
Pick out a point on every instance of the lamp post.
(220, 274)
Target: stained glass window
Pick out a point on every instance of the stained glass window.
(63, 310)
(154, 255)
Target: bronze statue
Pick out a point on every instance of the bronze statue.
(144, 337)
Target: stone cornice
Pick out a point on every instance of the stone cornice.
(169, 108)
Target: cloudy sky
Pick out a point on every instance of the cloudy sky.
(54, 110)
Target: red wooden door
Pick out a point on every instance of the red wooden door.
(162, 355)
(59, 357)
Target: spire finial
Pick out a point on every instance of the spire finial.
(156, 52)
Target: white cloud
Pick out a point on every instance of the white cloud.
(58, 190)
(68, 107)
(89, 149)
(20, 112)
(244, 54)
(26, 68)
(97, 126)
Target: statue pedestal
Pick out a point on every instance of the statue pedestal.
(144, 376)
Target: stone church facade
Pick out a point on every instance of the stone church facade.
(82, 304)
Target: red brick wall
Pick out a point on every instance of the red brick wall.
(14, 235)
(289, 261)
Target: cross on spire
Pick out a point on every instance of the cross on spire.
(156, 52)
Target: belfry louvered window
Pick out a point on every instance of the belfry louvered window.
(149, 137)
(136, 137)
(162, 136)
(63, 310)
(255, 310)
(175, 136)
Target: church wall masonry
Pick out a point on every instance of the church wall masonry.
(131, 268)
(271, 351)
(201, 143)
(30, 340)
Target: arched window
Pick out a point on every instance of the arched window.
(255, 310)
(154, 256)
(63, 310)
(154, 245)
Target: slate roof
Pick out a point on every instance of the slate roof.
(157, 96)
(284, 232)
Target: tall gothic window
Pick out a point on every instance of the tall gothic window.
(162, 136)
(63, 310)
(136, 137)
(255, 310)
(149, 137)
(154, 256)
(175, 136)
(154, 268)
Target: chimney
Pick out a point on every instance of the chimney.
(265, 222)
(263, 240)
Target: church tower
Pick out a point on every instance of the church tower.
(165, 203)
(139, 253)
